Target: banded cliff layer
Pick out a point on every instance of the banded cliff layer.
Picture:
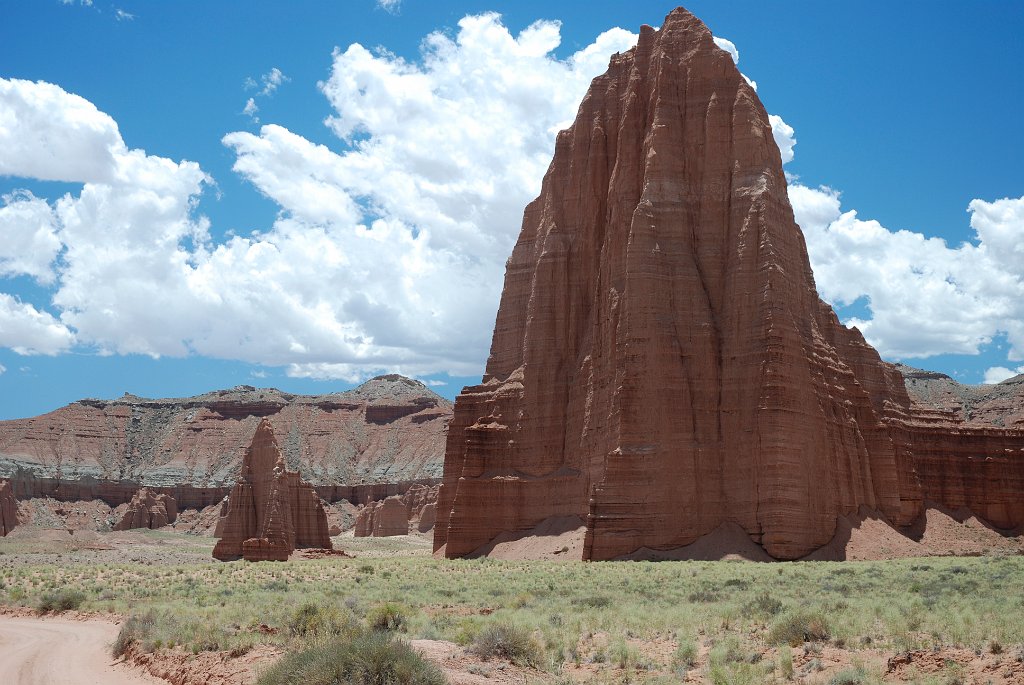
(388, 430)
(661, 362)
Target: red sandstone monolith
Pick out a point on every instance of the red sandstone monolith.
(148, 509)
(270, 511)
(661, 362)
(8, 508)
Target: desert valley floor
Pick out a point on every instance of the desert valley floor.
(185, 619)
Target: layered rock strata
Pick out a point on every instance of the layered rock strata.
(270, 511)
(389, 430)
(148, 509)
(399, 515)
(8, 508)
(661, 362)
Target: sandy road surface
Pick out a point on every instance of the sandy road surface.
(58, 651)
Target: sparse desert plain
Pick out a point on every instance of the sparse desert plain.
(184, 618)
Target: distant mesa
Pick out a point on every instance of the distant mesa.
(662, 368)
(270, 511)
(388, 430)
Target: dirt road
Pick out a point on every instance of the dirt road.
(59, 651)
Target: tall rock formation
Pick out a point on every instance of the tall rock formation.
(661, 362)
(270, 511)
(148, 509)
(8, 508)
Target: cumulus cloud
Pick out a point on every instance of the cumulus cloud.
(391, 6)
(52, 135)
(26, 330)
(389, 249)
(784, 137)
(30, 243)
(925, 297)
(998, 374)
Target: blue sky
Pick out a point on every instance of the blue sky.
(380, 237)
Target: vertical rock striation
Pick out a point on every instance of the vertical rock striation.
(397, 514)
(661, 362)
(270, 511)
(8, 508)
(148, 509)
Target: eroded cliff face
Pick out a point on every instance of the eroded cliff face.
(661, 362)
(399, 514)
(8, 508)
(148, 509)
(390, 429)
(270, 511)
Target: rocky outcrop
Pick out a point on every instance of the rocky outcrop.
(8, 508)
(148, 509)
(998, 405)
(661, 362)
(270, 511)
(390, 429)
(398, 515)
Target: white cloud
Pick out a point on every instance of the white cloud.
(272, 80)
(729, 47)
(389, 249)
(925, 297)
(30, 243)
(391, 6)
(123, 15)
(388, 253)
(52, 135)
(27, 330)
(998, 374)
(436, 383)
(3, 369)
(250, 109)
(784, 137)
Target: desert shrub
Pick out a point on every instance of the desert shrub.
(764, 606)
(387, 617)
(786, 663)
(510, 642)
(371, 658)
(850, 676)
(685, 655)
(592, 601)
(798, 627)
(60, 600)
(318, 619)
(705, 595)
(137, 629)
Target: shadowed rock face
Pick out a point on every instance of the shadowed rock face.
(148, 509)
(270, 511)
(661, 362)
(8, 508)
(395, 515)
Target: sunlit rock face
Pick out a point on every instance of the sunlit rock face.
(270, 511)
(661, 362)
